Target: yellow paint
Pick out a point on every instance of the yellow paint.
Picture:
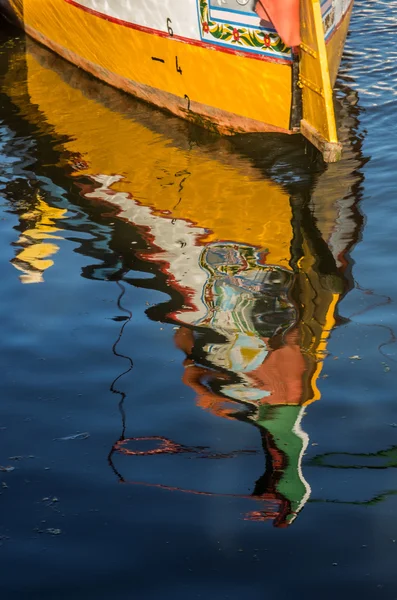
(232, 203)
(318, 107)
(34, 257)
(321, 348)
(256, 89)
(318, 304)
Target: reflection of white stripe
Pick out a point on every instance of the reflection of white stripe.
(235, 18)
(177, 240)
(297, 429)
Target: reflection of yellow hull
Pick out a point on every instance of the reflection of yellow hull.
(220, 88)
(229, 203)
(35, 256)
(184, 199)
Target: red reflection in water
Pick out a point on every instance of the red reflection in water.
(165, 446)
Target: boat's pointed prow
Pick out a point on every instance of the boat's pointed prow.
(318, 123)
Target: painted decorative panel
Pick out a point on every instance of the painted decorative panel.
(234, 24)
(231, 24)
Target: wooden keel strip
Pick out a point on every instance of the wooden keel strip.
(331, 151)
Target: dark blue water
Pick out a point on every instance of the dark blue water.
(143, 326)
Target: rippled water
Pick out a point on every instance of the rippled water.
(198, 347)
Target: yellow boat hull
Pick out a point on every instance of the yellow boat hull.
(224, 87)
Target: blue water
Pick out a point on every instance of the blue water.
(92, 367)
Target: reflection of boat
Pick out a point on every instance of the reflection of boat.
(36, 241)
(258, 286)
(187, 57)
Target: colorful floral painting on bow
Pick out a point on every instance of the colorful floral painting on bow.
(240, 36)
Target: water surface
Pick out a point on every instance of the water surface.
(198, 348)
